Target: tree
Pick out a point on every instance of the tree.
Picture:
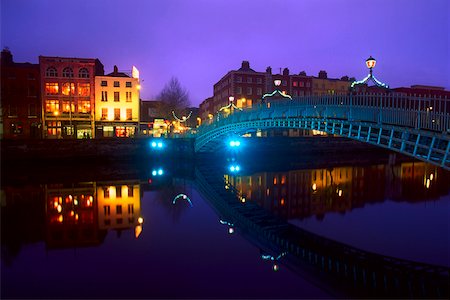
(173, 97)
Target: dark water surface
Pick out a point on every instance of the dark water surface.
(85, 239)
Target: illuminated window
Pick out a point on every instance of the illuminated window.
(51, 72)
(66, 105)
(68, 89)
(283, 179)
(105, 192)
(119, 209)
(116, 113)
(84, 89)
(51, 88)
(106, 210)
(104, 96)
(116, 96)
(54, 129)
(129, 114)
(301, 84)
(128, 84)
(84, 106)
(83, 73)
(104, 83)
(104, 113)
(249, 91)
(119, 191)
(116, 84)
(294, 83)
(130, 209)
(67, 72)
(51, 106)
(128, 96)
(130, 191)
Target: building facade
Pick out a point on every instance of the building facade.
(20, 99)
(67, 92)
(322, 85)
(117, 104)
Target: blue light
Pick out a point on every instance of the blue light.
(160, 172)
(232, 144)
(160, 145)
(157, 145)
(153, 144)
(154, 172)
(237, 143)
(235, 168)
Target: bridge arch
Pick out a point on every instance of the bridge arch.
(419, 133)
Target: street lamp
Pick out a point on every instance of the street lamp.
(370, 63)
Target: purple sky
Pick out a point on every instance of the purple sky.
(199, 41)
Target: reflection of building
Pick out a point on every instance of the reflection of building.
(72, 216)
(20, 99)
(305, 193)
(117, 104)
(119, 205)
(67, 90)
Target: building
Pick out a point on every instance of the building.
(152, 122)
(117, 104)
(20, 99)
(67, 92)
(322, 85)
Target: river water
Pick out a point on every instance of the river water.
(157, 235)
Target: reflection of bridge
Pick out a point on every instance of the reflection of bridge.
(345, 268)
(415, 126)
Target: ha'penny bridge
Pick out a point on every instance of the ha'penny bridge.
(415, 126)
(343, 269)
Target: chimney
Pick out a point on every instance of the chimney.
(323, 74)
(269, 70)
(116, 70)
(7, 57)
(286, 72)
(245, 64)
(302, 73)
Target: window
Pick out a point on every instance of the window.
(130, 191)
(116, 113)
(284, 83)
(84, 106)
(129, 114)
(119, 210)
(31, 76)
(238, 79)
(32, 91)
(84, 89)
(67, 72)
(68, 89)
(104, 113)
(120, 220)
(106, 210)
(106, 193)
(51, 88)
(116, 96)
(301, 84)
(130, 209)
(116, 84)
(249, 80)
(12, 111)
(308, 84)
(259, 91)
(294, 83)
(249, 91)
(104, 83)
(128, 84)
(83, 73)
(104, 96)
(51, 106)
(51, 72)
(128, 96)
(66, 106)
(54, 129)
(294, 93)
(238, 90)
(32, 110)
(259, 80)
(118, 191)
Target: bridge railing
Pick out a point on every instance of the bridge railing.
(424, 113)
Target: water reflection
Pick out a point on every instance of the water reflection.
(316, 192)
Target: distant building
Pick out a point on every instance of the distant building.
(67, 91)
(423, 91)
(117, 106)
(322, 85)
(151, 121)
(20, 99)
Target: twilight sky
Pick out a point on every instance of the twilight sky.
(199, 41)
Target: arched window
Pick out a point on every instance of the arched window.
(83, 73)
(67, 72)
(51, 72)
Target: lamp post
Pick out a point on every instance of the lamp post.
(370, 64)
